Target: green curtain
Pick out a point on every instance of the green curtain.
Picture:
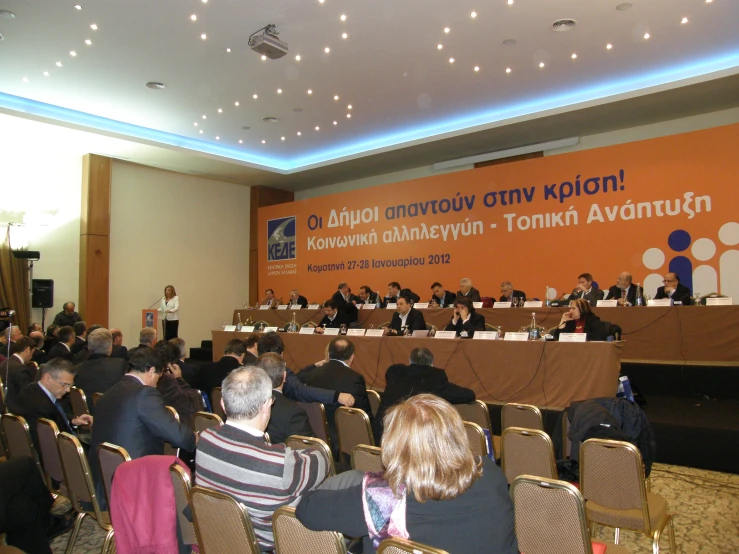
(14, 284)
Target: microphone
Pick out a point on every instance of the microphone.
(154, 303)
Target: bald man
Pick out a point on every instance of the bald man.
(623, 292)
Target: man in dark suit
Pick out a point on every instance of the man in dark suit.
(100, 372)
(406, 319)
(366, 296)
(287, 417)
(189, 371)
(119, 351)
(80, 331)
(622, 292)
(212, 375)
(147, 339)
(508, 293)
(341, 299)
(586, 289)
(174, 389)
(465, 320)
(39, 354)
(19, 368)
(333, 318)
(297, 300)
(84, 353)
(404, 381)
(67, 317)
(63, 347)
(468, 291)
(440, 296)
(395, 291)
(51, 337)
(673, 290)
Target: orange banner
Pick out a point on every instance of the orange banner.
(648, 207)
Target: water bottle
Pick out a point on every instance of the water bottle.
(379, 302)
(239, 325)
(500, 332)
(293, 325)
(639, 295)
(533, 329)
(547, 302)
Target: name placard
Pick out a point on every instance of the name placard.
(533, 304)
(270, 329)
(374, 332)
(477, 305)
(502, 305)
(282, 307)
(719, 301)
(369, 306)
(606, 304)
(573, 337)
(391, 306)
(247, 329)
(330, 331)
(229, 328)
(265, 307)
(421, 333)
(660, 302)
(314, 306)
(421, 305)
(356, 332)
(485, 335)
(295, 307)
(510, 335)
(445, 335)
(307, 330)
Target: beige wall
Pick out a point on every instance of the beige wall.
(190, 232)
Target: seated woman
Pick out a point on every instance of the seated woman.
(433, 490)
(465, 318)
(581, 319)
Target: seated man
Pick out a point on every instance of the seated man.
(394, 291)
(269, 299)
(189, 371)
(333, 318)
(119, 351)
(585, 289)
(67, 317)
(297, 300)
(39, 355)
(173, 388)
(508, 293)
(440, 296)
(83, 354)
(404, 381)
(237, 460)
(468, 291)
(366, 296)
(287, 417)
(80, 330)
(342, 301)
(622, 292)
(465, 319)
(19, 368)
(406, 319)
(147, 339)
(673, 290)
(100, 371)
(63, 347)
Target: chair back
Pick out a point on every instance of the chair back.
(298, 442)
(110, 457)
(48, 447)
(216, 396)
(374, 400)
(521, 415)
(352, 428)
(221, 523)
(403, 546)
(476, 412)
(367, 458)
(170, 450)
(550, 517)
(96, 396)
(292, 537)
(79, 402)
(204, 420)
(77, 476)
(181, 483)
(18, 438)
(477, 439)
(317, 418)
(527, 452)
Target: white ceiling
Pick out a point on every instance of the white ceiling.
(410, 105)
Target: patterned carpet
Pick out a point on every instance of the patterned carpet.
(705, 505)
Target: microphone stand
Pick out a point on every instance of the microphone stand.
(11, 313)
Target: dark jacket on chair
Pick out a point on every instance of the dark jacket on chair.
(287, 419)
(120, 351)
(98, 374)
(414, 321)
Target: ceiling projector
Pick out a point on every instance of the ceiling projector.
(266, 43)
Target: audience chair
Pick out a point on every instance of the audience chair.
(298, 442)
(221, 523)
(477, 412)
(550, 518)
(95, 397)
(374, 400)
(79, 402)
(367, 458)
(48, 448)
(18, 439)
(352, 428)
(403, 546)
(81, 489)
(317, 418)
(292, 537)
(204, 420)
(110, 457)
(170, 450)
(521, 415)
(527, 452)
(476, 436)
(216, 396)
(182, 484)
(612, 482)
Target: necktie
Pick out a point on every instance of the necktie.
(59, 407)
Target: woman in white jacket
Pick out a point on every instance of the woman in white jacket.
(169, 312)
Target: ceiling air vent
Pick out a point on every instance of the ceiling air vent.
(270, 119)
(562, 25)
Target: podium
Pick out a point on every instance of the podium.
(150, 318)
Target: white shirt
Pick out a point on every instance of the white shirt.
(246, 427)
(403, 318)
(169, 309)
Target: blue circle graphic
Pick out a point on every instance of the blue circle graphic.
(679, 240)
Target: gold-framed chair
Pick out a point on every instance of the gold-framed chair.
(476, 437)
(527, 452)
(215, 403)
(477, 412)
(110, 457)
(374, 400)
(527, 416)
(537, 500)
(182, 484)
(299, 442)
(47, 434)
(613, 485)
(204, 420)
(18, 439)
(403, 546)
(352, 428)
(221, 523)
(170, 450)
(367, 458)
(384, 325)
(79, 405)
(80, 487)
(317, 419)
(292, 537)
(311, 324)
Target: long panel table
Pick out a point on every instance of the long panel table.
(548, 374)
(700, 335)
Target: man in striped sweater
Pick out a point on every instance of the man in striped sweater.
(237, 460)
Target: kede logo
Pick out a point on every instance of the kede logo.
(281, 241)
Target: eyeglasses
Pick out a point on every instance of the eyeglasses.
(669, 280)
(63, 384)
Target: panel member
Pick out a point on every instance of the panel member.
(441, 297)
(673, 290)
(169, 312)
(297, 300)
(269, 299)
(585, 289)
(508, 293)
(468, 291)
(581, 319)
(366, 296)
(622, 292)
(406, 319)
(332, 318)
(394, 291)
(465, 318)
(341, 299)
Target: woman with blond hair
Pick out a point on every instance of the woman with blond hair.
(433, 490)
(169, 312)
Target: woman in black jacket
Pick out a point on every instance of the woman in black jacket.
(581, 319)
(465, 319)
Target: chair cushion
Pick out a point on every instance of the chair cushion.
(630, 519)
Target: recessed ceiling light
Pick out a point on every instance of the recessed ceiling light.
(77, 7)
(510, 42)
(327, 50)
(473, 15)
(279, 91)
(451, 60)
(321, 1)
(205, 116)
(156, 85)
(205, 1)
(218, 138)
(336, 97)
(228, 50)
(264, 142)
(541, 64)
(684, 20)
(58, 64)
(299, 133)
(563, 25)
(25, 79)
(510, 2)
(709, 1)
(646, 36)
(196, 124)
(203, 36)
(255, 96)
(194, 17)
(446, 30)
(318, 128)
(236, 103)
(88, 42)
(241, 141)
(72, 53)
(343, 17)
(348, 116)
(46, 73)
(477, 68)
(349, 107)
(609, 46)
(439, 46)
(264, 58)
(624, 6)
(201, 131)
(94, 27)
(574, 56)
(336, 123)
(508, 70)
(297, 58)
(344, 35)
(220, 110)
